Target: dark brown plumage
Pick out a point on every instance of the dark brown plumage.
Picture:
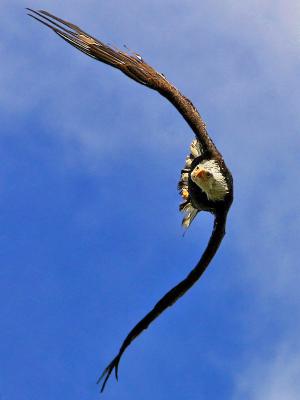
(137, 69)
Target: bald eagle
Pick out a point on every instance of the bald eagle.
(205, 182)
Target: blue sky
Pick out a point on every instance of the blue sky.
(90, 229)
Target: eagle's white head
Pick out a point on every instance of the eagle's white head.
(208, 176)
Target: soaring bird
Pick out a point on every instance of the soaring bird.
(205, 181)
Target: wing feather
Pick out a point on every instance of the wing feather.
(131, 65)
(172, 296)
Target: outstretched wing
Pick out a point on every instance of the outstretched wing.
(172, 296)
(131, 65)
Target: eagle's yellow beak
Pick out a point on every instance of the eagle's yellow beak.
(203, 174)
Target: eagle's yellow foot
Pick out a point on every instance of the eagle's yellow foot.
(185, 194)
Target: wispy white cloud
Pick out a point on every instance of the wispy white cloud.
(273, 377)
(252, 50)
(263, 27)
(71, 97)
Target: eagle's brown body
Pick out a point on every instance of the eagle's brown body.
(205, 183)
